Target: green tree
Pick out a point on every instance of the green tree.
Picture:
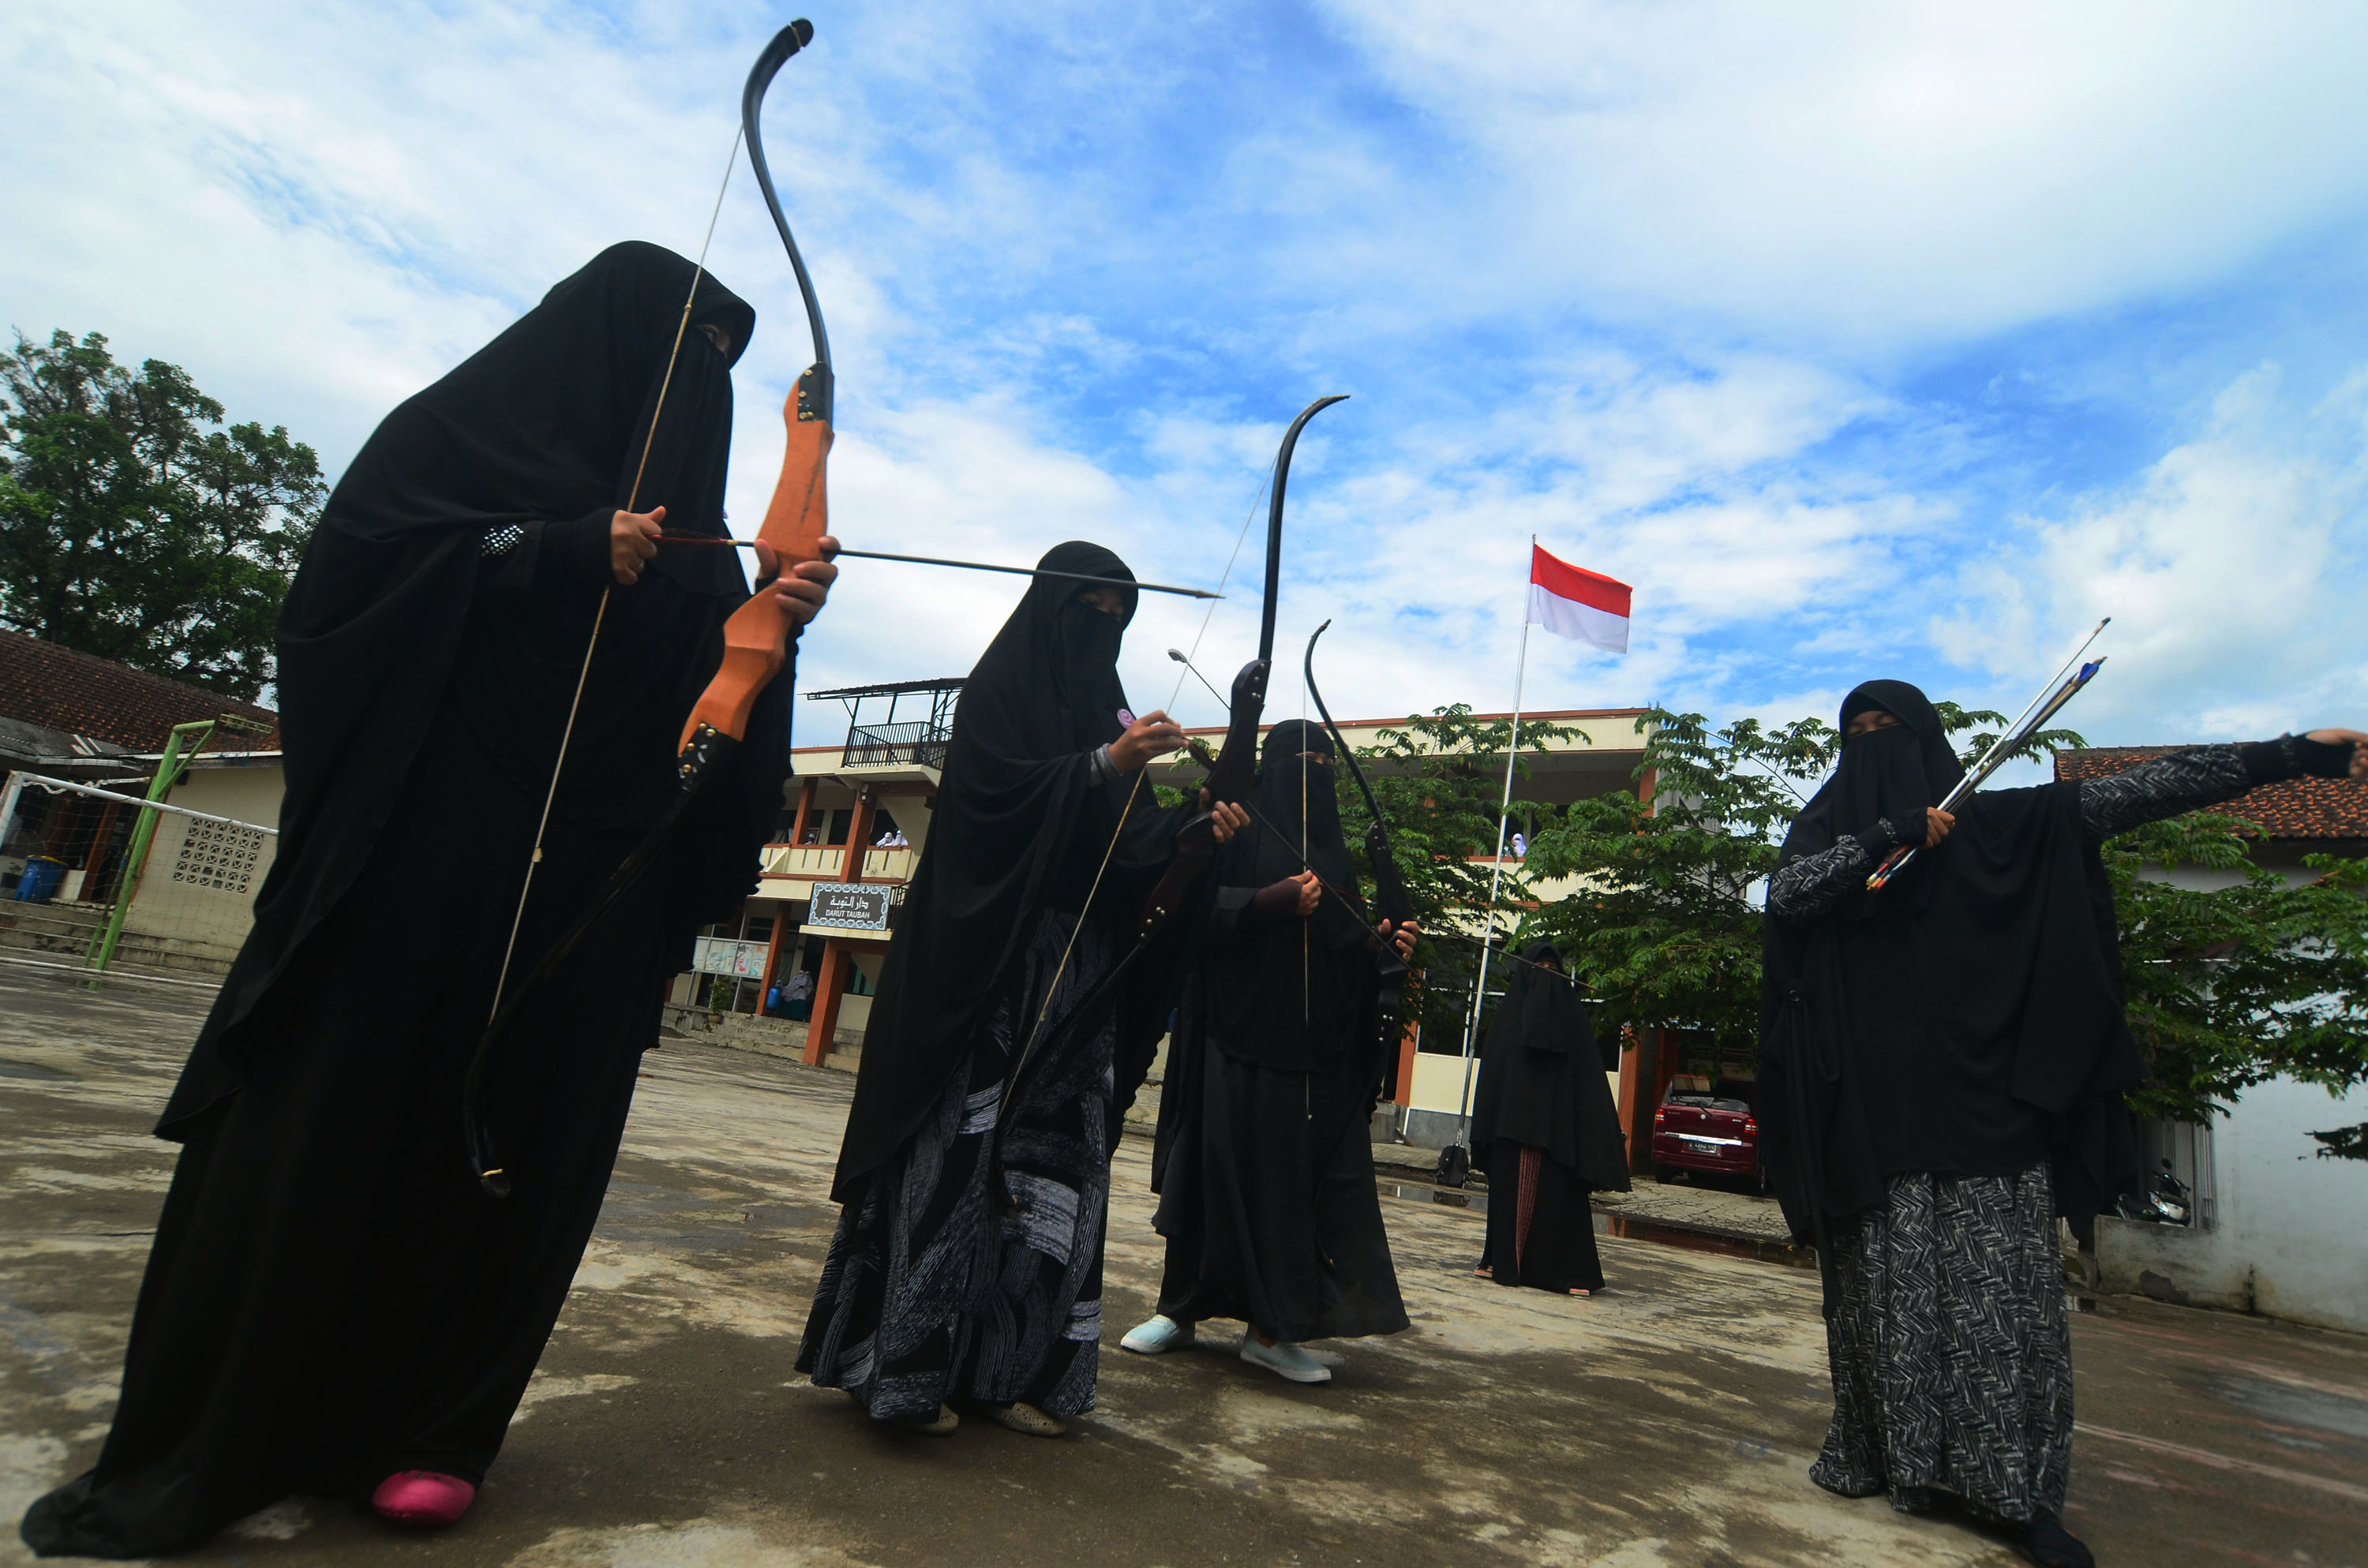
(2239, 984)
(2226, 988)
(1666, 925)
(133, 528)
(1441, 778)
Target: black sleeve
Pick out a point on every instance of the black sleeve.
(2197, 777)
(1816, 883)
(514, 557)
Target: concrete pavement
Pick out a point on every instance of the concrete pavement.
(1668, 1422)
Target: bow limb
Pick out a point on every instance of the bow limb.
(756, 636)
(1390, 893)
(1389, 884)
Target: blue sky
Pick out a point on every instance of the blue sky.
(1863, 339)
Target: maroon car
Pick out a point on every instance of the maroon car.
(1694, 1130)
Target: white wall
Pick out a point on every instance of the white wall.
(2292, 1232)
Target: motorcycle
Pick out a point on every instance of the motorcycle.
(2167, 1201)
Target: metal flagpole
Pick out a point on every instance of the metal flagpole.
(1495, 873)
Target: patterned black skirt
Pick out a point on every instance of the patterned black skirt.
(934, 1291)
(1950, 1349)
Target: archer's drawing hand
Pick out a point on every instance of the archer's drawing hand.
(1230, 818)
(1311, 892)
(1402, 938)
(2359, 746)
(632, 539)
(1153, 735)
(806, 586)
(1937, 824)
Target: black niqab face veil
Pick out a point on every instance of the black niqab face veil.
(1893, 773)
(1048, 684)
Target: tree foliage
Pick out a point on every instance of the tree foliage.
(133, 528)
(2226, 988)
(2236, 985)
(1441, 778)
(1665, 927)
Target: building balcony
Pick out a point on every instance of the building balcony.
(870, 747)
(818, 862)
(829, 863)
(890, 865)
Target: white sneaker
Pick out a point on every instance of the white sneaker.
(1284, 1360)
(1156, 1335)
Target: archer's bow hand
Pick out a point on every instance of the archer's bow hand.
(1402, 937)
(1224, 821)
(804, 588)
(2359, 742)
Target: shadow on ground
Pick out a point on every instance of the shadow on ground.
(1668, 1422)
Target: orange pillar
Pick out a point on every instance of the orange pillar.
(829, 986)
(858, 836)
(1408, 1043)
(805, 809)
(772, 953)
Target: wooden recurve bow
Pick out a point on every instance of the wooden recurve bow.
(755, 636)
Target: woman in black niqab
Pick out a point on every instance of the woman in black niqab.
(332, 1306)
(975, 1175)
(1940, 1077)
(1545, 1130)
(1264, 1161)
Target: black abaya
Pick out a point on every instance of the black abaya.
(936, 1289)
(1545, 1130)
(1264, 1159)
(331, 1297)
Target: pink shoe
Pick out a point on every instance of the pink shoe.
(423, 1498)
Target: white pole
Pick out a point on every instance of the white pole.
(1495, 873)
(8, 798)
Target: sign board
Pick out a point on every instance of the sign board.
(721, 955)
(852, 906)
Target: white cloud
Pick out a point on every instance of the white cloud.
(1873, 171)
(1683, 290)
(2232, 567)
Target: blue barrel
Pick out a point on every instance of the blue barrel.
(39, 882)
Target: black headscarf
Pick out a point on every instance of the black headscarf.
(1892, 773)
(1020, 826)
(1541, 1078)
(539, 427)
(1970, 1027)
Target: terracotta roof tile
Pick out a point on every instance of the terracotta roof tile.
(2295, 808)
(59, 688)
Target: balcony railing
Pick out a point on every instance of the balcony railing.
(895, 745)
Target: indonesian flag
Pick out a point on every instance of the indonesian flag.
(1583, 606)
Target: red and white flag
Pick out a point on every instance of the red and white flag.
(1573, 602)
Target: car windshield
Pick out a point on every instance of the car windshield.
(1710, 1102)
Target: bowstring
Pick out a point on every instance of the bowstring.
(601, 614)
(1111, 849)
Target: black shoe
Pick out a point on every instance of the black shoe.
(2046, 1542)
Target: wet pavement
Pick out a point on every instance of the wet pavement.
(1669, 1421)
